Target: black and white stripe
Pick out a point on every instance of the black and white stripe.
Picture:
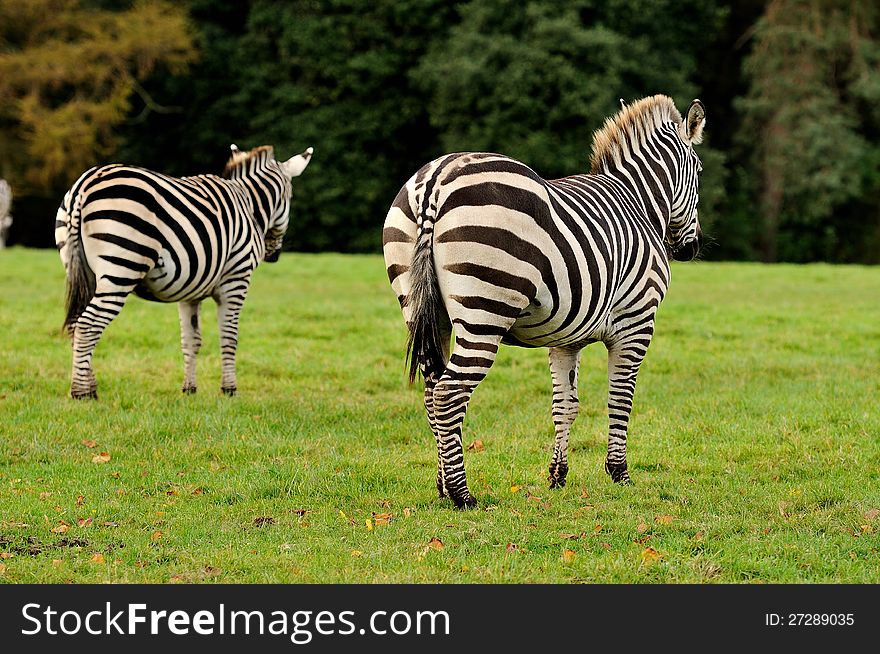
(479, 245)
(122, 229)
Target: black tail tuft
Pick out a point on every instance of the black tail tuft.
(424, 348)
(80, 285)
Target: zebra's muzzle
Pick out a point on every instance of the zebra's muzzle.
(687, 251)
(272, 256)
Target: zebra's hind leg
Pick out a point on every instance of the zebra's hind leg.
(104, 306)
(430, 383)
(564, 371)
(624, 359)
(190, 341)
(230, 297)
(470, 362)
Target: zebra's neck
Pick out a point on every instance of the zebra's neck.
(647, 172)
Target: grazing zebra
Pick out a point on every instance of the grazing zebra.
(479, 244)
(121, 229)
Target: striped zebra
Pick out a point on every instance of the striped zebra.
(122, 229)
(478, 244)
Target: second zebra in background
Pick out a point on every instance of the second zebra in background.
(478, 244)
(122, 229)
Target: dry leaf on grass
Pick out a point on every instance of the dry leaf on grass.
(156, 535)
(436, 544)
(381, 519)
(369, 524)
(664, 519)
(61, 528)
(103, 457)
(650, 555)
(2, 568)
(567, 536)
(642, 528)
(568, 556)
(45, 495)
(870, 514)
(514, 489)
(511, 547)
(6, 555)
(83, 522)
(264, 521)
(97, 558)
(700, 534)
(407, 512)
(89, 442)
(476, 446)
(80, 500)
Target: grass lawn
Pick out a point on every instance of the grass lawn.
(754, 443)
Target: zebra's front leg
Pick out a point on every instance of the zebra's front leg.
(564, 372)
(624, 359)
(104, 306)
(190, 341)
(230, 298)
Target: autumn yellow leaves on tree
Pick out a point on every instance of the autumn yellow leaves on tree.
(68, 74)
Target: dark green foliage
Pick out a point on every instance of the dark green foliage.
(791, 87)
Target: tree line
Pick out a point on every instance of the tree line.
(792, 90)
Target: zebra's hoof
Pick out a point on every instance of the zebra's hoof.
(87, 395)
(188, 390)
(229, 391)
(468, 503)
(618, 473)
(556, 482)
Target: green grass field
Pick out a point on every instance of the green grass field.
(754, 442)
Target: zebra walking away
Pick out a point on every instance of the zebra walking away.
(478, 244)
(121, 229)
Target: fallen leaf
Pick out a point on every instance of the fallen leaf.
(664, 519)
(301, 512)
(385, 504)
(643, 539)
(476, 446)
(103, 457)
(97, 558)
(110, 524)
(80, 500)
(58, 508)
(115, 475)
(356, 553)
(606, 546)
(642, 528)
(177, 579)
(568, 556)
(120, 491)
(45, 495)
(436, 544)
(381, 518)
(369, 524)
(2, 568)
(264, 520)
(650, 555)
(56, 562)
(407, 512)
(6, 555)
(765, 530)
(700, 534)
(584, 494)
(156, 535)
(514, 489)
(198, 490)
(83, 522)
(511, 547)
(870, 514)
(866, 529)
(566, 536)
(89, 442)
(597, 528)
(61, 528)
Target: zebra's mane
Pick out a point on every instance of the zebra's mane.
(633, 124)
(239, 158)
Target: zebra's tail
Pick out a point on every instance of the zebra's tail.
(80, 279)
(424, 348)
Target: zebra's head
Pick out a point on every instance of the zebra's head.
(278, 221)
(684, 236)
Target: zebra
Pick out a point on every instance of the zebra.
(123, 229)
(477, 244)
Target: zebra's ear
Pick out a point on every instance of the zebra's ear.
(694, 123)
(294, 166)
